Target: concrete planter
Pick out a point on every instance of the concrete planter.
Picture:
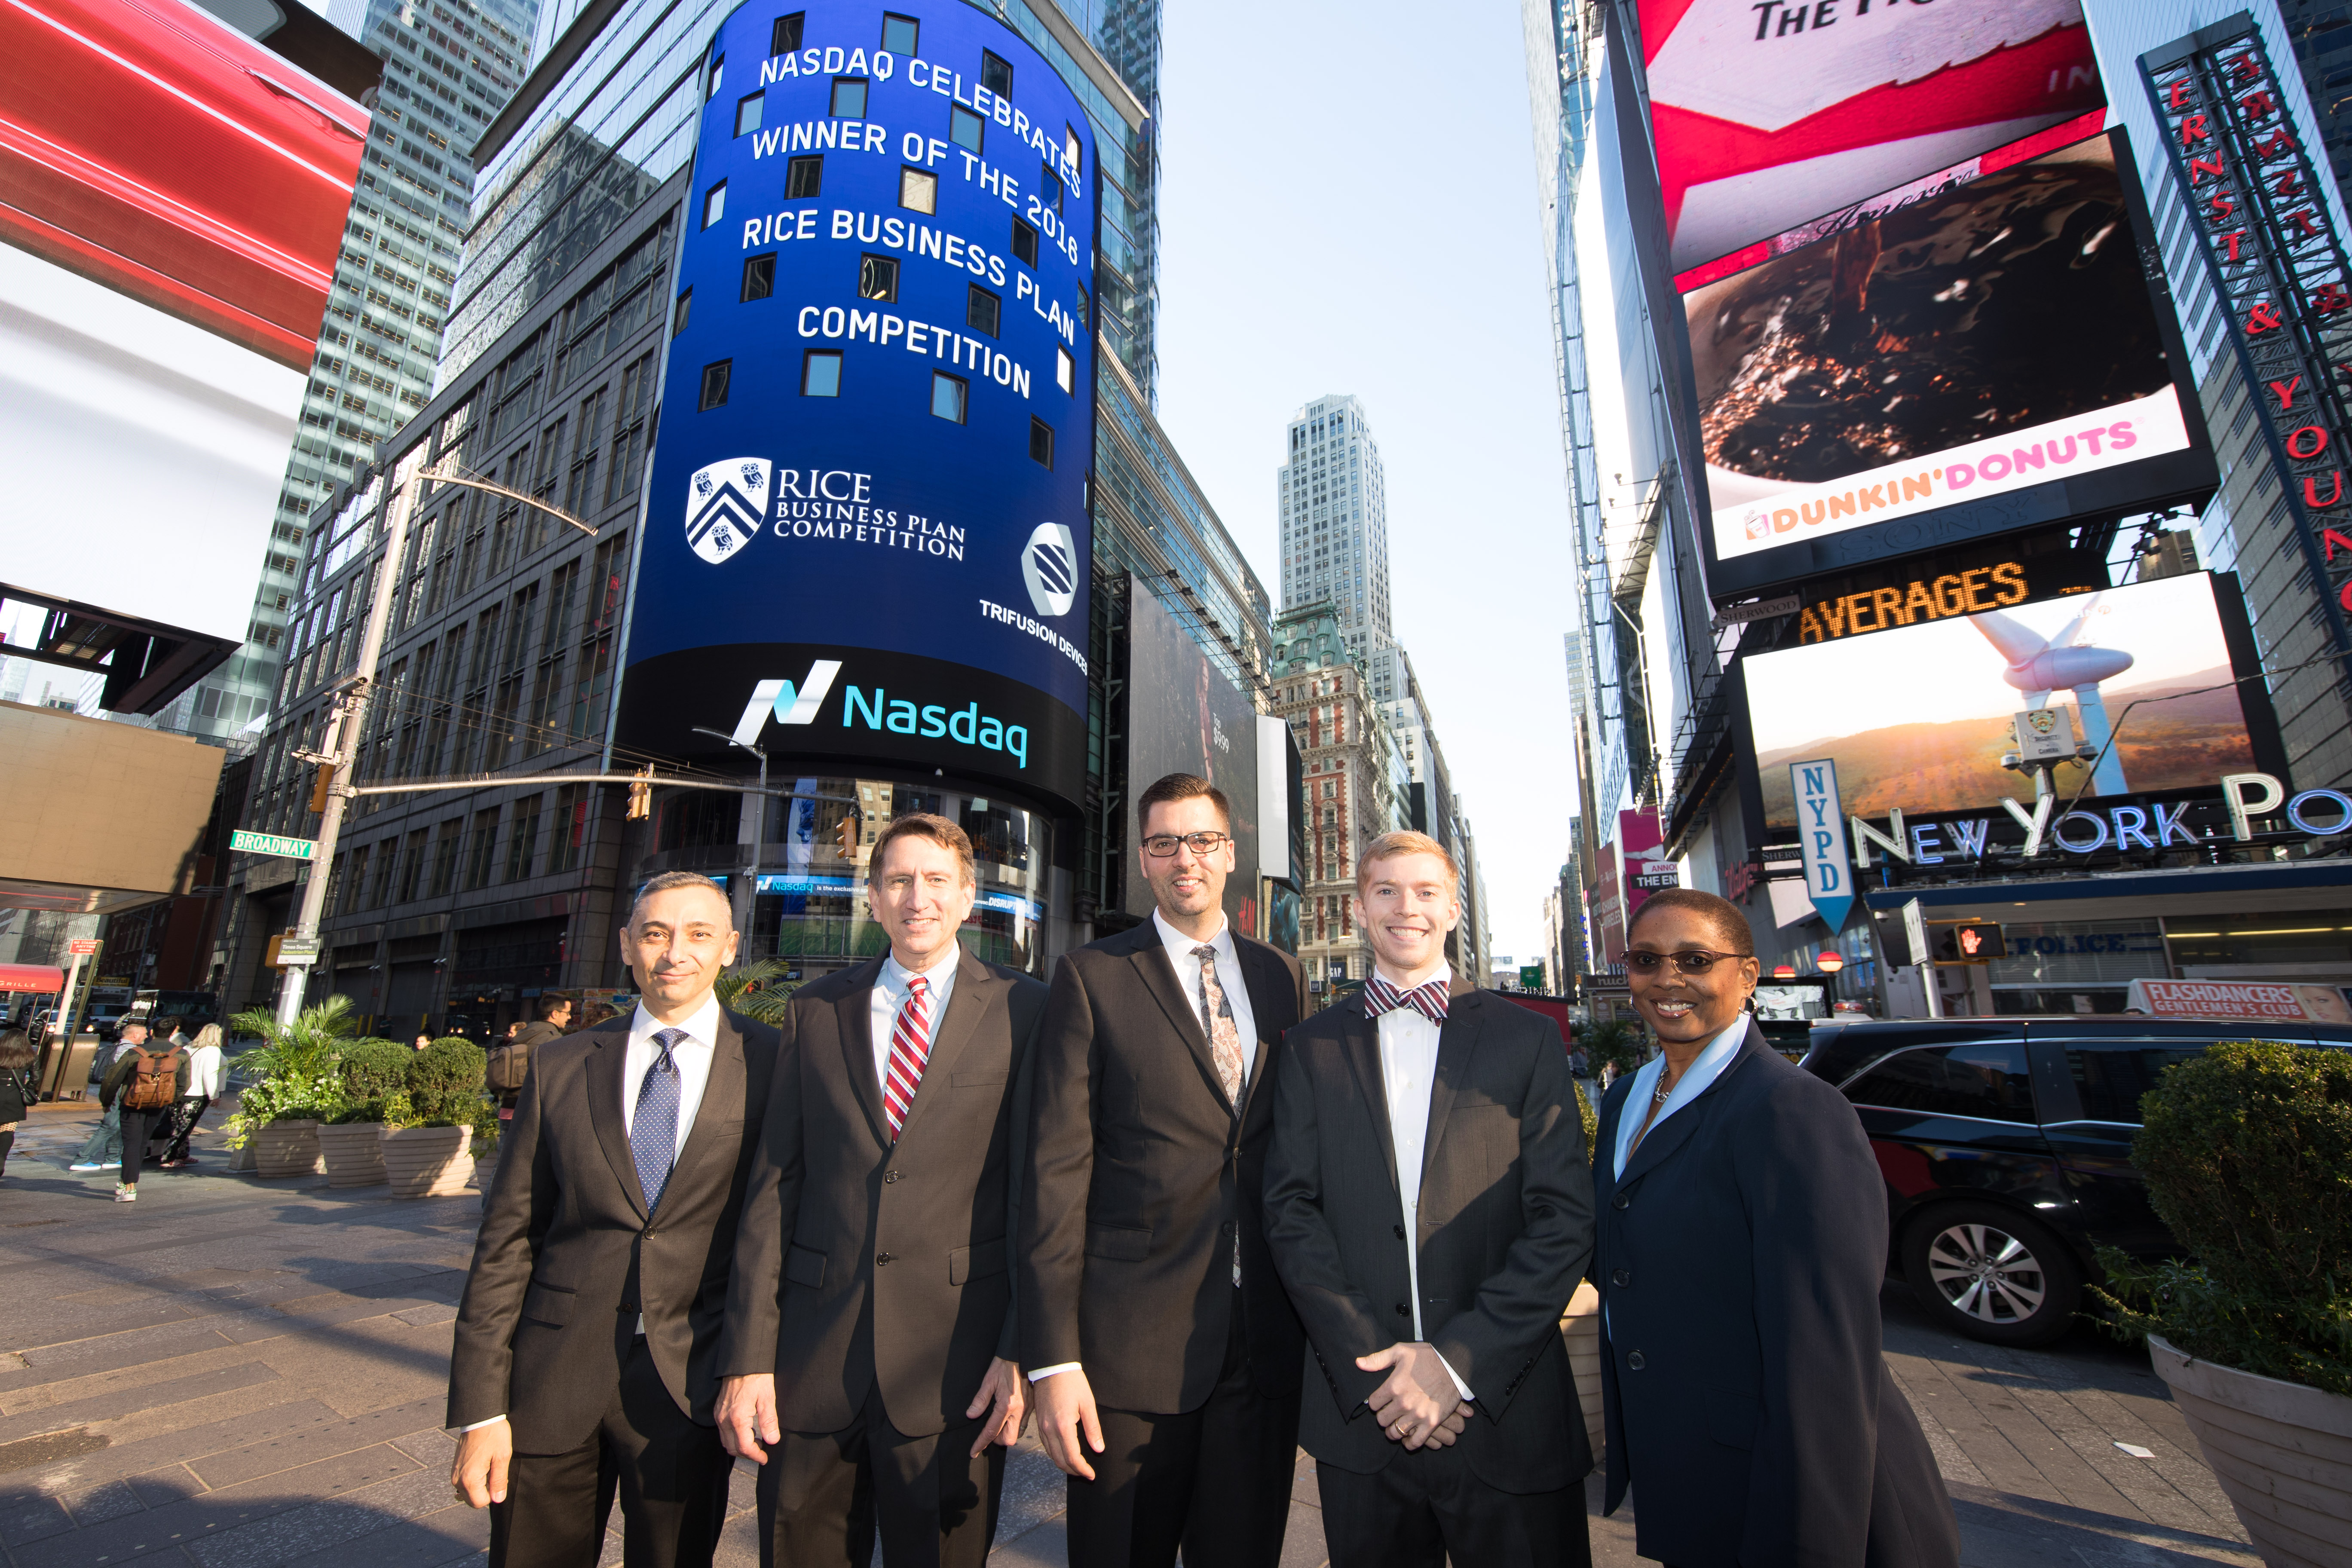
(427, 1161)
(2283, 1452)
(286, 1149)
(354, 1153)
(1580, 1330)
(240, 1159)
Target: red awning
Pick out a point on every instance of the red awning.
(31, 977)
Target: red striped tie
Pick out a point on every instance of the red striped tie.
(911, 1047)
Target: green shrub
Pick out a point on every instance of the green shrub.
(1587, 1115)
(373, 1069)
(445, 1083)
(2247, 1152)
(1613, 1041)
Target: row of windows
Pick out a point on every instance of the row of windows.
(468, 852)
(821, 377)
(877, 279)
(919, 191)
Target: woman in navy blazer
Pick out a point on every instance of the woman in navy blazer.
(1742, 1243)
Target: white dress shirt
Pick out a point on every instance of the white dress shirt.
(1229, 975)
(890, 995)
(1409, 1071)
(1695, 1079)
(691, 1056)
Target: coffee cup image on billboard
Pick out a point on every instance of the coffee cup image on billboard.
(1993, 335)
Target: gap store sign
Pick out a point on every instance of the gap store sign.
(877, 411)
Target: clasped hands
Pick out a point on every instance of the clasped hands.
(747, 1411)
(1420, 1405)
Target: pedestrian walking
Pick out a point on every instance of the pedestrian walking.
(203, 1087)
(146, 1080)
(1743, 1241)
(103, 1152)
(509, 1060)
(17, 1091)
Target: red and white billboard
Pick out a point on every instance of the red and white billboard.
(172, 199)
(1767, 115)
(2285, 1002)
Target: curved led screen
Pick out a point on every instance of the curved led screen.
(866, 535)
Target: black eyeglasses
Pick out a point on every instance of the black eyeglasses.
(1160, 846)
(1690, 961)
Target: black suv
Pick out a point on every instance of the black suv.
(2006, 1146)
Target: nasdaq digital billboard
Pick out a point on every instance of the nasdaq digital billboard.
(866, 531)
(1999, 353)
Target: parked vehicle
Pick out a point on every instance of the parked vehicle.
(2006, 1147)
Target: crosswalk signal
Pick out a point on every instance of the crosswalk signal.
(641, 794)
(1970, 941)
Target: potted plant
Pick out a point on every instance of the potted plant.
(1579, 1326)
(375, 1093)
(293, 1085)
(432, 1157)
(2247, 1152)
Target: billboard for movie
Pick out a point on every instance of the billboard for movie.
(1186, 716)
(1993, 355)
(1918, 717)
(866, 532)
(1767, 114)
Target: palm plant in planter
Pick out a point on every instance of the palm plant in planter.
(2248, 1155)
(375, 1095)
(294, 1084)
(444, 1098)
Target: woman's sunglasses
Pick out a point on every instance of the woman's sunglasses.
(1690, 961)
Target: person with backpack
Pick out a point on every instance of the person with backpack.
(17, 1091)
(144, 1084)
(509, 1059)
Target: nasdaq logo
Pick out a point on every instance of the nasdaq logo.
(791, 704)
(724, 504)
(1049, 565)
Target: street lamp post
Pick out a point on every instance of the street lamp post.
(351, 712)
(755, 815)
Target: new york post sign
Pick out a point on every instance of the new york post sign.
(2261, 213)
(866, 536)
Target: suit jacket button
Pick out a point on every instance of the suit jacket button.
(1636, 1362)
(1402, 1310)
(1621, 1277)
(889, 1176)
(883, 1258)
(1621, 1202)
(649, 1234)
(1400, 1231)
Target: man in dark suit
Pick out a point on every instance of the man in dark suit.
(871, 1346)
(1430, 1206)
(588, 1336)
(1163, 1353)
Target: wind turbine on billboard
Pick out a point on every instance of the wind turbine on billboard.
(2039, 665)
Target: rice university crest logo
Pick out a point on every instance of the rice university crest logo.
(724, 505)
(1049, 566)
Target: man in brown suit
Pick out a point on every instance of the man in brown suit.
(1164, 1355)
(871, 1337)
(587, 1338)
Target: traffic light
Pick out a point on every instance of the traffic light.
(1970, 941)
(319, 790)
(845, 836)
(641, 794)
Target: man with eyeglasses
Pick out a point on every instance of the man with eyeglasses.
(1162, 1350)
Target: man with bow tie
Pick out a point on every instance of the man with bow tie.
(1429, 1204)
(586, 1342)
(871, 1347)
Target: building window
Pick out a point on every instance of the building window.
(918, 189)
(849, 97)
(995, 74)
(679, 313)
(948, 395)
(965, 128)
(718, 71)
(482, 857)
(983, 310)
(1066, 370)
(803, 176)
(714, 204)
(715, 378)
(567, 834)
(900, 33)
(1049, 185)
(522, 839)
(759, 275)
(1025, 242)
(746, 112)
(878, 276)
(784, 39)
(820, 374)
(1041, 442)
(1074, 150)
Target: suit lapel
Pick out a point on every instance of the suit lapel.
(854, 1023)
(1269, 996)
(1363, 1040)
(722, 1088)
(607, 1083)
(976, 992)
(1457, 1040)
(1153, 962)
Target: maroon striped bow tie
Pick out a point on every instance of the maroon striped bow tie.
(1428, 998)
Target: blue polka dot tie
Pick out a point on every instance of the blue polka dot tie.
(653, 1131)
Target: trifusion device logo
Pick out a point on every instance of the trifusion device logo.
(724, 504)
(1049, 565)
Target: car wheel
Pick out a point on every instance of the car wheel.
(1993, 1275)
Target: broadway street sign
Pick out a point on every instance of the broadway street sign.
(271, 844)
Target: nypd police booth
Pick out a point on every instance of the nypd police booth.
(866, 549)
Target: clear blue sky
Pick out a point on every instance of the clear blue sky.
(1347, 204)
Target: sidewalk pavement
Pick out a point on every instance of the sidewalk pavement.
(238, 1373)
